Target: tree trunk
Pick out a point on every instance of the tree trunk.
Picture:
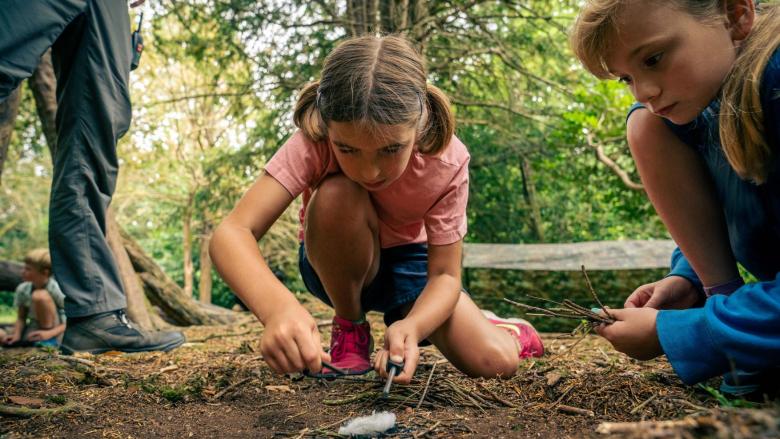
(529, 193)
(43, 84)
(204, 286)
(134, 292)
(162, 291)
(10, 275)
(187, 247)
(8, 112)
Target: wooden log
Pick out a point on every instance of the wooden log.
(10, 275)
(161, 290)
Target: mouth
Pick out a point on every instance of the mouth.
(665, 110)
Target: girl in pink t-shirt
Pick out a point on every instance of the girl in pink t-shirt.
(385, 185)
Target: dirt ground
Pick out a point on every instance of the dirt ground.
(217, 386)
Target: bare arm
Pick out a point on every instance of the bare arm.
(437, 301)
(235, 252)
(681, 190)
(434, 306)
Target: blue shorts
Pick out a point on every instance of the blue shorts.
(402, 275)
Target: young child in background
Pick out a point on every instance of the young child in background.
(40, 305)
(705, 136)
(385, 185)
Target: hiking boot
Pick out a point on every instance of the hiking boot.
(350, 347)
(530, 344)
(112, 331)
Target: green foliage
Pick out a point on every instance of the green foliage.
(725, 401)
(213, 98)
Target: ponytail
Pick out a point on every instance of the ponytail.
(307, 116)
(742, 122)
(439, 122)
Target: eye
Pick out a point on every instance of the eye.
(654, 60)
(392, 150)
(625, 80)
(347, 150)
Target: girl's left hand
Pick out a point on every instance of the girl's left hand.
(38, 335)
(400, 346)
(633, 332)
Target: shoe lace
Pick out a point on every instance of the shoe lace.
(346, 339)
(122, 316)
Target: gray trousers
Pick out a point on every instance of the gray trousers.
(91, 53)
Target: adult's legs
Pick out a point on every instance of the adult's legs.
(92, 61)
(342, 242)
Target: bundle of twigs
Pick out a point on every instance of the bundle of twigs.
(567, 309)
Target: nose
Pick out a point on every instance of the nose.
(370, 172)
(646, 90)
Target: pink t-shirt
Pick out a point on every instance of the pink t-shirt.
(427, 204)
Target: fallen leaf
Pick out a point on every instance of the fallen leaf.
(23, 400)
(279, 389)
(553, 378)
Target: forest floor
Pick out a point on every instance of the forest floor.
(217, 386)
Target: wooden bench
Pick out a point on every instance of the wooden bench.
(594, 255)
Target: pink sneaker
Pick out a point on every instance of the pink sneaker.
(529, 340)
(350, 347)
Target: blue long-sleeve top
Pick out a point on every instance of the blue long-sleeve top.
(742, 330)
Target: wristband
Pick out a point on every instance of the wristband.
(724, 288)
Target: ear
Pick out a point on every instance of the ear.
(741, 15)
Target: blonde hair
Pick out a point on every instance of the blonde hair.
(742, 130)
(741, 121)
(39, 258)
(376, 80)
(596, 25)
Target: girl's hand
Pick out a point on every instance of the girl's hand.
(39, 335)
(633, 332)
(673, 292)
(400, 346)
(11, 339)
(291, 341)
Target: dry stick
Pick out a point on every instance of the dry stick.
(229, 334)
(494, 396)
(27, 412)
(229, 388)
(642, 405)
(575, 410)
(586, 312)
(428, 430)
(427, 383)
(593, 293)
(544, 311)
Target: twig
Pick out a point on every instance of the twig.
(494, 396)
(26, 412)
(642, 405)
(353, 398)
(427, 383)
(428, 430)
(229, 388)
(593, 293)
(229, 334)
(575, 410)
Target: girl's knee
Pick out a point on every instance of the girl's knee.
(340, 202)
(497, 361)
(41, 297)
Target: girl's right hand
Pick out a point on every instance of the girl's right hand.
(291, 341)
(673, 292)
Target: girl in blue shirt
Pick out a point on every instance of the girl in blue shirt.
(705, 137)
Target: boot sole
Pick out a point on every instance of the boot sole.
(163, 348)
